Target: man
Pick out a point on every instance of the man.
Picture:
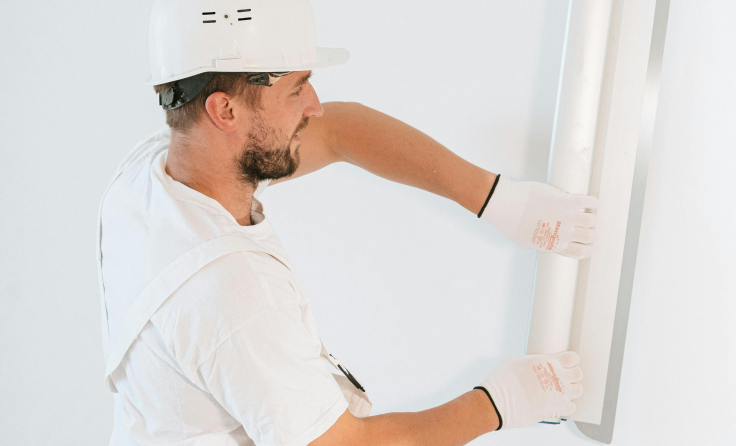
(208, 336)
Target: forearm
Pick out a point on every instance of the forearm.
(454, 423)
(398, 152)
(451, 424)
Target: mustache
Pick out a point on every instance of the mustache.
(302, 125)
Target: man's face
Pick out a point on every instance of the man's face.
(271, 147)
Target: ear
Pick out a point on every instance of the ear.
(221, 109)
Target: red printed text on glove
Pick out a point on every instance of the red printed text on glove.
(546, 235)
(548, 378)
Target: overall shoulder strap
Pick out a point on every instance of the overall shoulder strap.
(164, 284)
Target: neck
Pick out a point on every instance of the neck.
(207, 165)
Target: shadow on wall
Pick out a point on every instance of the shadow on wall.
(537, 148)
(535, 155)
(545, 91)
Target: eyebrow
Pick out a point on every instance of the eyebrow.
(303, 80)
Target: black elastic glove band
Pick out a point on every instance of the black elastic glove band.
(489, 196)
(500, 420)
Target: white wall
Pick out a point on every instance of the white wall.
(415, 294)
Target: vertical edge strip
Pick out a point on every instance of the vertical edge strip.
(604, 432)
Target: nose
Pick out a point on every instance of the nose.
(314, 108)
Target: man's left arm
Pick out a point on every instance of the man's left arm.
(391, 149)
(534, 215)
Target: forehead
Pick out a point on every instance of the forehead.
(298, 78)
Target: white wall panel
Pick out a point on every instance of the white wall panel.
(414, 293)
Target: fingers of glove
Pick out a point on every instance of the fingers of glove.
(587, 202)
(567, 359)
(576, 391)
(573, 375)
(577, 251)
(585, 220)
(582, 235)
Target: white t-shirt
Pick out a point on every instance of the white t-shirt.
(233, 356)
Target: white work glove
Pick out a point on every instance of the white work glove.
(528, 389)
(540, 216)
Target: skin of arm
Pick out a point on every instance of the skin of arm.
(452, 424)
(385, 146)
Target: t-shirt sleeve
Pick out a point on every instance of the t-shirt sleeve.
(268, 374)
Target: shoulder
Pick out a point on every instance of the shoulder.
(154, 143)
(134, 169)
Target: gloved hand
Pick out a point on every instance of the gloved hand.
(540, 216)
(528, 389)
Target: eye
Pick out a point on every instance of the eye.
(298, 91)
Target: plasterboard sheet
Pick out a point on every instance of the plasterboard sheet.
(622, 104)
(590, 310)
(571, 158)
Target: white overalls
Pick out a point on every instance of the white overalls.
(169, 279)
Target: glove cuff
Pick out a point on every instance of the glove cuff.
(500, 420)
(493, 188)
(506, 208)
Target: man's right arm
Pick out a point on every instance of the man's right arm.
(454, 423)
(521, 391)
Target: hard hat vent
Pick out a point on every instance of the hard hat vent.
(209, 21)
(240, 19)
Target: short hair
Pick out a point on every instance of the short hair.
(185, 117)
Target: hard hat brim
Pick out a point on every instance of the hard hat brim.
(326, 57)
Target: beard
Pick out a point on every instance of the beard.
(267, 154)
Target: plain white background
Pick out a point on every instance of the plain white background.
(420, 298)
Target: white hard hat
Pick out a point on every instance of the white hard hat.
(188, 37)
